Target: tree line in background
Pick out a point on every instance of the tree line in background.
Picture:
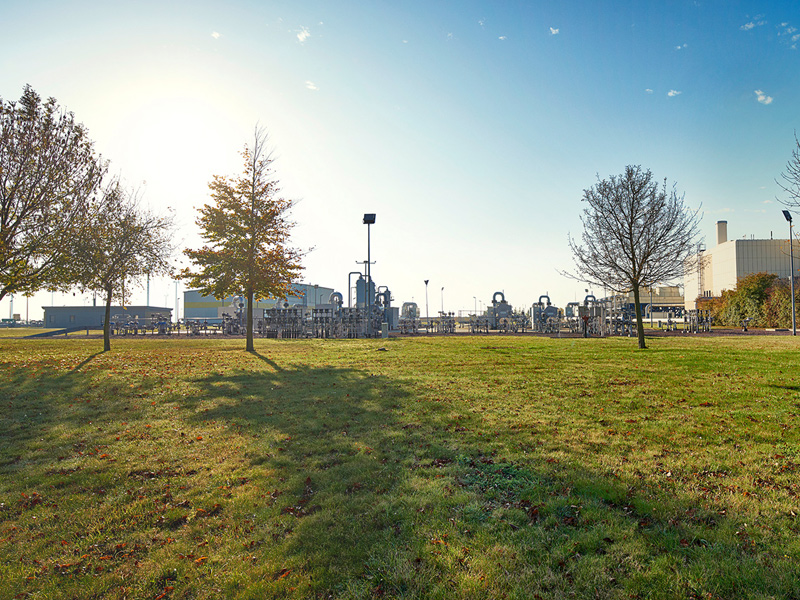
(66, 223)
(759, 300)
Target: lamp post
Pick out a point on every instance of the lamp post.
(427, 315)
(788, 217)
(475, 299)
(369, 219)
(442, 300)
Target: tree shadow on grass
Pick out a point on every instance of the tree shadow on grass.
(375, 490)
(375, 494)
(331, 442)
(86, 361)
(32, 403)
(40, 397)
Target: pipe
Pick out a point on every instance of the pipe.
(336, 298)
(502, 297)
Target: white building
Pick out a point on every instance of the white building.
(721, 267)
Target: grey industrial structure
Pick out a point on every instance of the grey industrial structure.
(197, 307)
(62, 317)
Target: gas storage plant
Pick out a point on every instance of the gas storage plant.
(368, 310)
(317, 311)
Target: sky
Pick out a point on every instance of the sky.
(470, 128)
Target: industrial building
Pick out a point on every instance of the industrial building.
(661, 301)
(721, 267)
(63, 317)
(198, 307)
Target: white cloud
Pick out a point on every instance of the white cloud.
(303, 34)
(757, 22)
(554, 31)
(482, 22)
(502, 37)
(681, 47)
(649, 91)
(450, 36)
(310, 85)
(673, 93)
(763, 98)
(215, 35)
(766, 201)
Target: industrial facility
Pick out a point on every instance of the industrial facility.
(65, 317)
(721, 267)
(207, 308)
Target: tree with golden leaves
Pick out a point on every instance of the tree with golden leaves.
(246, 232)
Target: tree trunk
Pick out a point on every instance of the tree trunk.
(107, 324)
(250, 347)
(639, 321)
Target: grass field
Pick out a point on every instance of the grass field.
(467, 467)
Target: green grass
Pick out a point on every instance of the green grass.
(459, 467)
(17, 332)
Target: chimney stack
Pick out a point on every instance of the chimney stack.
(722, 232)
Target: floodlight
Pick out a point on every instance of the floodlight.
(787, 215)
(369, 219)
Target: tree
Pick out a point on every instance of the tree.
(748, 300)
(636, 234)
(119, 243)
(48, 172)
(791, 178)
(246, 231)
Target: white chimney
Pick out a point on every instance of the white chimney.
(722, 232)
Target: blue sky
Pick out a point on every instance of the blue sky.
(470, 128)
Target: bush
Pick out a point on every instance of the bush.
(763, 298)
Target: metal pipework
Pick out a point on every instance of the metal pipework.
(350, 287)
(336, 298)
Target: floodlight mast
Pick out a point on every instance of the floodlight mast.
(788, 216)
(427, 316)
(369, 219)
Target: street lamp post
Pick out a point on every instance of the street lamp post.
(442, 300)
(427, 315)
(788, 216)
(369, 219)
(475, 299)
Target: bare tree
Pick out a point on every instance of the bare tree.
(48, 172)
(246, 232)
(636, 234)
(120, 242)
(791, 178)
